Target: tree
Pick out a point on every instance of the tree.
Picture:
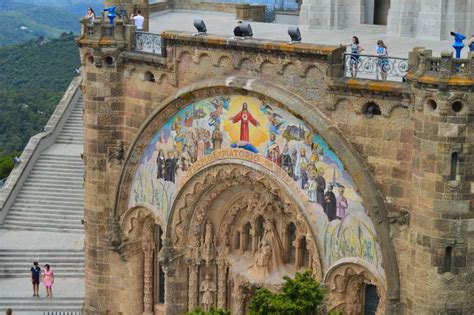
(299, 296)
(212, 311)
(6, 164)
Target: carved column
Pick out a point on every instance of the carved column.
(285, 245)
(148, 253)
(242, 241)
(221, 284)
(253, 232)
(193, 288)
(296, 244)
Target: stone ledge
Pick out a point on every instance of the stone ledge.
(371, 86)
(256, 44)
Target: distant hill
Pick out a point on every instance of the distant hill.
(20, 22)
(75, 7)
(34, 76)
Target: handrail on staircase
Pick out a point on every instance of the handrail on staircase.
(37, 144)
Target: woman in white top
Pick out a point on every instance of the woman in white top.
(90, 15)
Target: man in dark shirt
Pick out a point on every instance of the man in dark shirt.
(35, 278)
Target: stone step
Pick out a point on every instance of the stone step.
(49, 208)
(69, 141)
(73, 182)
(59, 171)
(45, 201)
(60, 224)
(60, 165)
(49, 196)
(71, 133)
(41, 218)
(42, 304)
(72, 129)
(76, 168)
(59, 274)
(40, 251)
(40, 226)
(59, 158)
(59, 264)
(42, 229)
(46, 189)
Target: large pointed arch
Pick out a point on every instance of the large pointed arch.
(373, 199)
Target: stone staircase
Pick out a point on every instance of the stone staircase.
(72, 132)
(32, 305)
(44, 224)
(66, 263)
(51, 199)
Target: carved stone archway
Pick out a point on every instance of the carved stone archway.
(138, 247)
(209, 211)
(373, 200)
(346, 281)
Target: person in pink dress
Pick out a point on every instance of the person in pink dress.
(48, 280)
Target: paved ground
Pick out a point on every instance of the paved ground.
(223, 24)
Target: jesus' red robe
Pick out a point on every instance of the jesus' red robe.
(244, 117)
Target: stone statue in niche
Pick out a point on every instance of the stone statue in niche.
(208, 288)
(269, 255)
(263, 256)
(208, 243)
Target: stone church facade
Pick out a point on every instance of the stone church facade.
(219, 166)
(424, 19)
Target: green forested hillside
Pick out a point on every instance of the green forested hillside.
(33, 77)
(20, 22)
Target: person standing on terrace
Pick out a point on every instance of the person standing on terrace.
(383, 61)
(356, 49)
(138, 19)
(90, 15)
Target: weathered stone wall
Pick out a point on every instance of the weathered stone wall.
(407, 151)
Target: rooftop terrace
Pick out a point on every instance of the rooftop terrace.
(223, 23)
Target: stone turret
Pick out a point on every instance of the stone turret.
(441, 226)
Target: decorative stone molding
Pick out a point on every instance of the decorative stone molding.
(346, 279)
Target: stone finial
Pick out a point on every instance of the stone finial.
(446, 65)
(413, 57)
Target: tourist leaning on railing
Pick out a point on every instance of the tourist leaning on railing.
(356, 49)
(383, 62)
(90, 15)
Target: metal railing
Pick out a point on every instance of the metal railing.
(375, 67)
(148, 42)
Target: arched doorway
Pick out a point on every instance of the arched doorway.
(355, 288)
(142, 165)
(230, 200)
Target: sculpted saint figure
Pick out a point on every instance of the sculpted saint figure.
(207, 289)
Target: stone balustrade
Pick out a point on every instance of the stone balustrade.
(118, 35)
(426, 68)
